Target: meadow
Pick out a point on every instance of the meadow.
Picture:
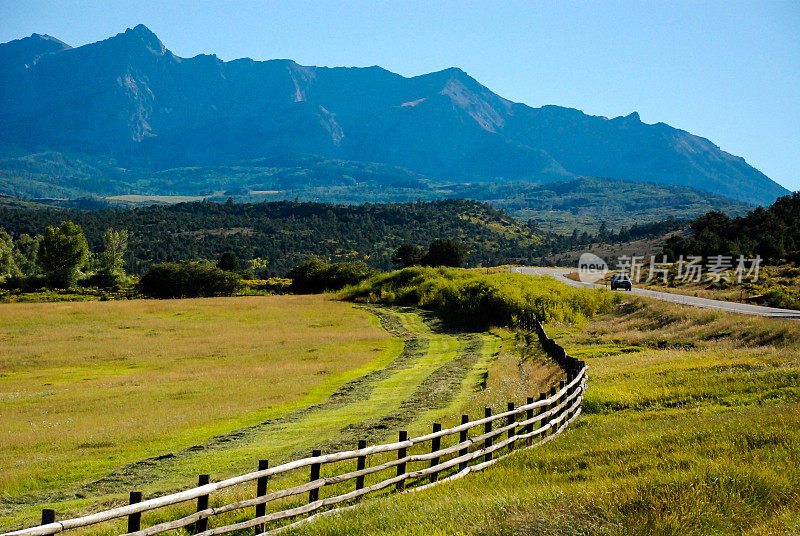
(88, 387)
(691, 426)
(691, 422)
(99, 398)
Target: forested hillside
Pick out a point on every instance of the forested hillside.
(284, 234)
(772, 232)
(561, 207)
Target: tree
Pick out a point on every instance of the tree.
(408, 255)
(26, 252)
(63, 251)
(110, 264)
(229, 262)
(444, 252)
(7, 264)
(603, 233)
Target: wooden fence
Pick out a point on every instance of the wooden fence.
(476, 445)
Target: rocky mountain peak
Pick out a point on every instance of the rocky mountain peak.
(129, 97)
(141, 35)
(22, 53)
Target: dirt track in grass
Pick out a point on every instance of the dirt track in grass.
(430, 368)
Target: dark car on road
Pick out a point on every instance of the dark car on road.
(621, 281)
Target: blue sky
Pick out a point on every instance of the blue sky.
(728, 70)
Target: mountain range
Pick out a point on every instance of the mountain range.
(131, 103)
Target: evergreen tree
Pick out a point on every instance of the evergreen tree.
(444, 252)
(229, 262)
(408, 255)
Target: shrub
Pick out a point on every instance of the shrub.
(23, 283)
(187, 280)
(318, 276)
(496, 299)
(782, 297)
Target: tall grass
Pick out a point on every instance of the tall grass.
(488, 299)
(691, 428)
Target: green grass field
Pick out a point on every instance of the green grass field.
(99, 398)
(691, 422)
(691, 426)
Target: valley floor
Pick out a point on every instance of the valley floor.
(105, 397)
(691, 426)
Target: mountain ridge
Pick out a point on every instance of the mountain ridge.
(130, 98)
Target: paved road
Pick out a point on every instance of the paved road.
(694, 301)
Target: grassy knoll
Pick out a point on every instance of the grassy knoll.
(691, 427)
(115, 396)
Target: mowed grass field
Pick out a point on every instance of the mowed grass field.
(691, 426)
(88, 386)
(100, 398)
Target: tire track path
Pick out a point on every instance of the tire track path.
(427, 374)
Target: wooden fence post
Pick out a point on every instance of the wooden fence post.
(401, 453)
(261, 490)
(202, 504)
(542, 409)
(461, 438)
(512, 419)
(48, 516)
(135, 520)
(436, 444)
(529, 416)
(313, 494)
(573, 390)
(361, 463)
(487, 428)
(552, 405)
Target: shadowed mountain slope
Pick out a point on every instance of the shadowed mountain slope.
(129, 98)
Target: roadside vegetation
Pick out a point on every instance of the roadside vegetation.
(487, 299)
(777, 286)
(691, 426)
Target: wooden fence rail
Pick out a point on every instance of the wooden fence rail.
(544, 418)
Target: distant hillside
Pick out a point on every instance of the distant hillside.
(558, 206)
(772, 233)
(585, 203)
(285, 233)
(132, 104)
